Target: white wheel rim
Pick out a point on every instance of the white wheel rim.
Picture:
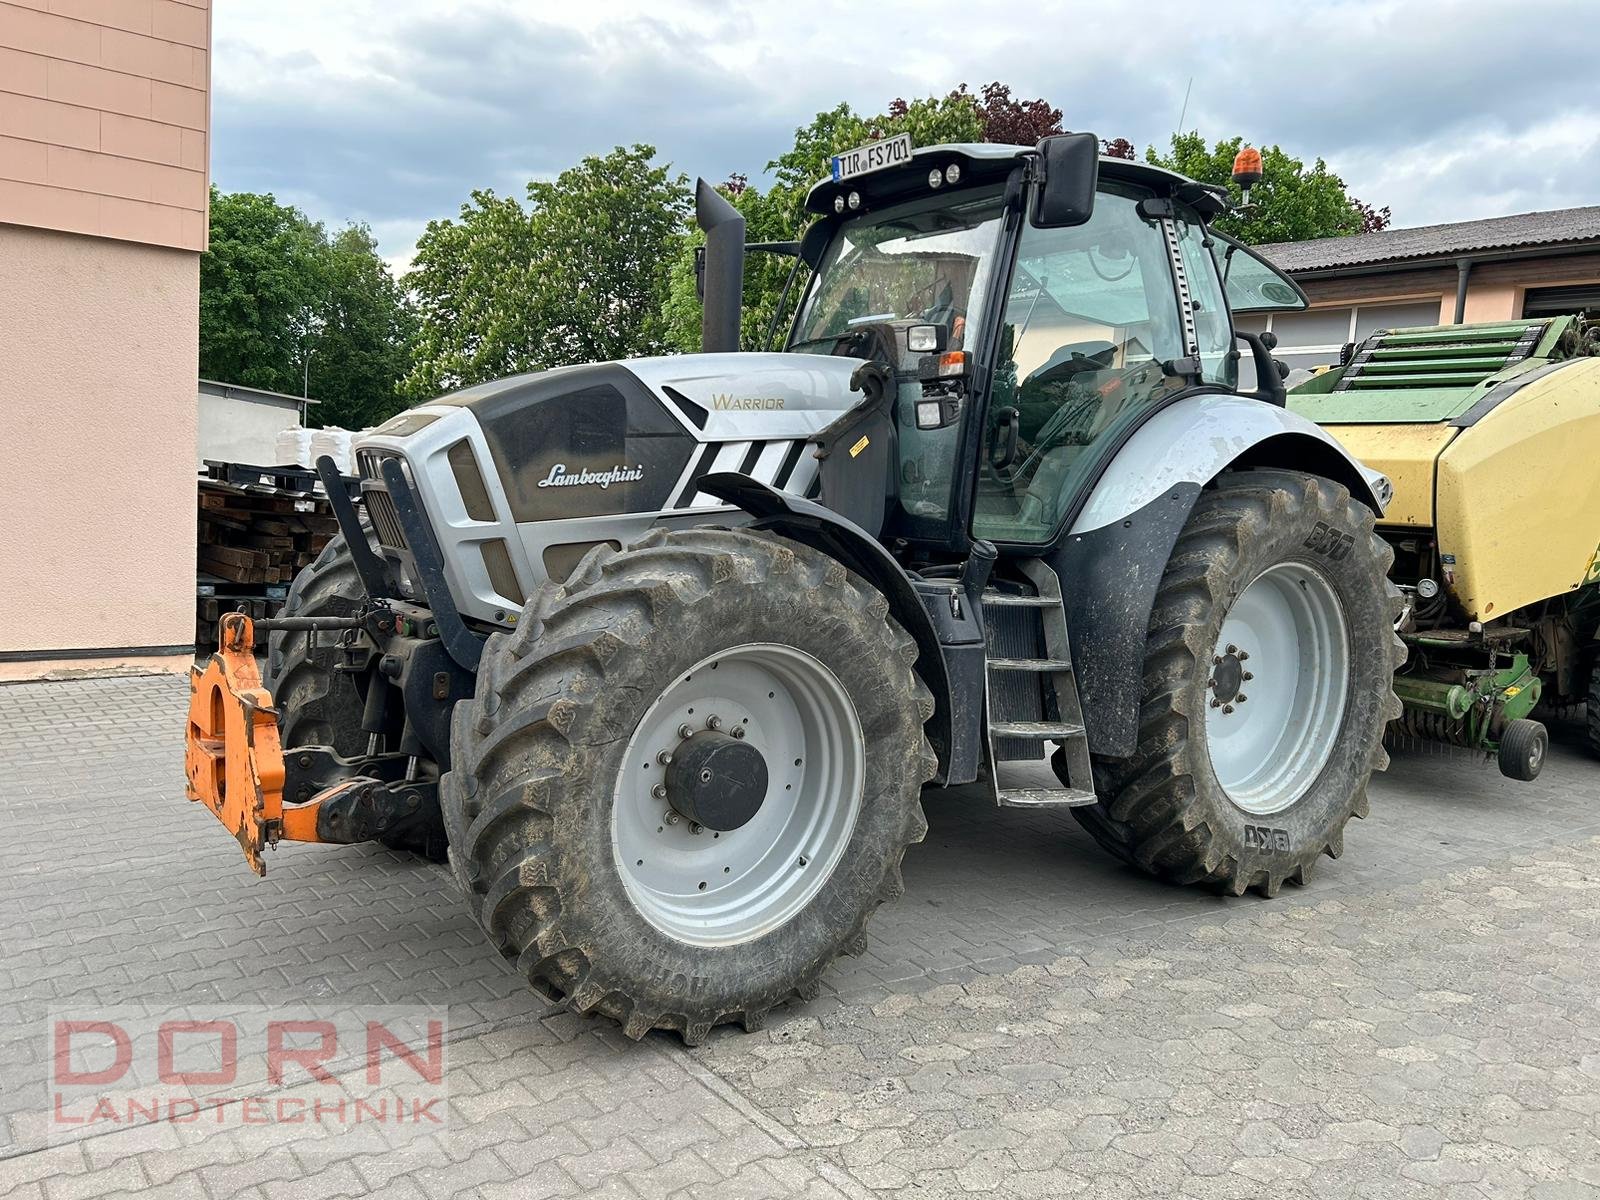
(715, 889)
(1278, 688)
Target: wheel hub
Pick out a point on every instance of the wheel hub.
(717, 780)
(1227, 676)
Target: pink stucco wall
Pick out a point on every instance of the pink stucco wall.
(97, 501)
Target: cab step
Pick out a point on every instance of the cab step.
(1036, 797)
(1037, 731)
(1041, 665)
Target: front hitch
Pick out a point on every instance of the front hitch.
(236, 765)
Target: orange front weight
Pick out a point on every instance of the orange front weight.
(234, 761)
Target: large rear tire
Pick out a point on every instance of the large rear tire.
(565, 819)
(1268, 680)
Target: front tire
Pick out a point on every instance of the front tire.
(565, 826)
(1248, 767)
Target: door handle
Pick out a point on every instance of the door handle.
(1004, 450)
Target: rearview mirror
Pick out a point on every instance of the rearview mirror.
(1071, 171)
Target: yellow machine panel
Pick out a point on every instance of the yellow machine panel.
(1518, 494)
(1406, 454)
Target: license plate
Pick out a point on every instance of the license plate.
(875, 156)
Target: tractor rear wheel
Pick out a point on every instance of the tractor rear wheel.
(1268, 680)
(688, 778)
(317, 704)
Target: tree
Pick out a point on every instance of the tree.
(1291, 203)
(1010, 121)
(258, 278)
(286, 307)
(363, 348)
(579, 275)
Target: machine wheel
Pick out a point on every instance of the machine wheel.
(1268, 680)
(1592, 713)
(1523, 746)
(317, 705)
(688, 778)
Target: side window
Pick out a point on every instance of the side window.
(1255, 285)
(1091, 316)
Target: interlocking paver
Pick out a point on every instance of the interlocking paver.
(1031, 1019)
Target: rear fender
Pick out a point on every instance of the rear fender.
(955, 728)
(1112, 559)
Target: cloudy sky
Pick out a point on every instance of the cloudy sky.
(391, 111)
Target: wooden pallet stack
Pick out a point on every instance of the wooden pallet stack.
(258, 536)
(254, 538)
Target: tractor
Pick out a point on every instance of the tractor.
(662, 653)
(1489, 433)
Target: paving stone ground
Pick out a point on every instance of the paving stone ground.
(1031, 1019)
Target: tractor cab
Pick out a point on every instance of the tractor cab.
(1028, 341)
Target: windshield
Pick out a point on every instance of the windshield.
(929, 262)
(926, 263)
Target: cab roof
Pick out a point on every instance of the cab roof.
(993, 162)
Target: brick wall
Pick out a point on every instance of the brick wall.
(103, 118)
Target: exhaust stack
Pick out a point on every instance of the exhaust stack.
(721, 269)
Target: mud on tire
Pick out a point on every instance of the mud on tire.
(1163, 809)
(539, 751)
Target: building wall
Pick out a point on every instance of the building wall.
(97, 548)
(1495, 290)
(103, 213)
(242, 428)
(103, 118)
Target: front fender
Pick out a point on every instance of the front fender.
(1196, 439)
(1112, 559)
(823, 529)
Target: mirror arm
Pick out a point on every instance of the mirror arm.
(1269, 384)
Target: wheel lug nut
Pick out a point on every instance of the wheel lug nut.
(713, 722)
(738, 732)
(659, 791)
(672, 817)
(694, 827)
(1247, 675)
(1216, 660)
(664, 758)
(1211, 683)
(1226, 709)
(1215, 703)
(685, 732)
(1243, 654)
(1232, 649)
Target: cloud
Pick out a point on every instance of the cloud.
(393, 111)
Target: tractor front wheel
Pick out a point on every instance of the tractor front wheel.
(1268, 680)
(688, 778)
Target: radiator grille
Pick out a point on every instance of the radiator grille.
(380, 505)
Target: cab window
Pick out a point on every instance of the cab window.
(1091, 317)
